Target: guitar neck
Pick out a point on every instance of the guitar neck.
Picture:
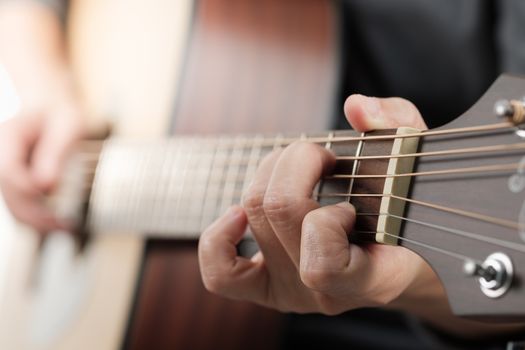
(177, 187)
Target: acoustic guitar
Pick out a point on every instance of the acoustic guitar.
(454, 195)
(174, 67)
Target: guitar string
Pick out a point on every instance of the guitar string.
(424, 245)
(237, 197)
(428, 154)
(465, 170)
(93, 157)
(476, 169)
(490, 240)
(448, 171)
(465, 213)
(470, 214)
(471, 235)
(269, 142)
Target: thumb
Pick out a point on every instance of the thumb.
(372, 113)
(222, 270)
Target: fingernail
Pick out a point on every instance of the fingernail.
(346, 206)
(372, 107)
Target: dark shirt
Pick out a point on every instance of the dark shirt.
(442, 55)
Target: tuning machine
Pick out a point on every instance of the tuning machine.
(514, 111)
(495, 274)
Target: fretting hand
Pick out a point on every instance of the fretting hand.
(306, 263)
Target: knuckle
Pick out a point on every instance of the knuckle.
(206, 244)
(314, 217)
(214, 279)
(253, 200)
(279, 207)
(213, 283)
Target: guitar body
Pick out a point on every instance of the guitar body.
(182, 67)
(254, 67)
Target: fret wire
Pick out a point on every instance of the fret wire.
(207, 204)
(206, 179)
(186, 188)
(174, 156)
(209, 189)
(319, 185)
(104, 202)
(187, 149)
(231, 176)
(215, 209)
(224, 175)
(355, 168)
(138, 213)
(254, 159)
(101, 191)
(147, 177)
(119, 153)
(202, 179)
(94, 198)
(201, 184)
(121, 197)
(158, 168)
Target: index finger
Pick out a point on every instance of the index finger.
(289, 195)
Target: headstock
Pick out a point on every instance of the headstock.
(480, 238)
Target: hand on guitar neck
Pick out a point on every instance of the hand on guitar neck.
(306, 263)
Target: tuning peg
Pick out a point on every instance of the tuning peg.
(495, 274)
(476, 269)
(514, 110)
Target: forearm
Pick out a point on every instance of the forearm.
(33, 50)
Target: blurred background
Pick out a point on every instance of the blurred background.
(155, 69)
(9, 105)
